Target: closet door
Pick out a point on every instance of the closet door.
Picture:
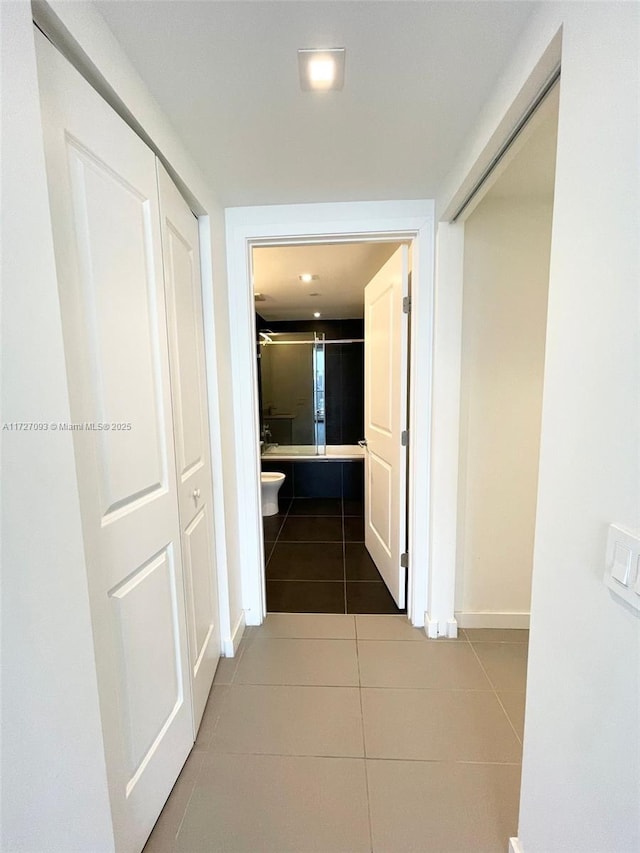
(105, 216)
(183, 289)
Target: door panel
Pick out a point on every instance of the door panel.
(385, 416)
(197, 556)
(145, 609)
(379, 343)
(118, 281)
(182, 266)
(105, 219)
(188, 381)
(381, 492)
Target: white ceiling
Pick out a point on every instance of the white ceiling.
(416, 76)
(343, 270)
(526, 174)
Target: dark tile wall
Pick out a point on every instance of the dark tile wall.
(344, 374)
(322, 479)
(344, 393)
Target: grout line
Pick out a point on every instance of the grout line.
(340, 580)
(315, 514)
(344, 548)
(364, 742)
(495, 693)
(447, 761)
(343, 757)
(188, 802)
(486, 674)
(330, 755)
(508, 718)
(352, 686)
(306, 580)
(328, 542)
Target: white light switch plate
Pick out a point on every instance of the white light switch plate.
(622, 572)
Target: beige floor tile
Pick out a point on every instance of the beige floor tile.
(273, 804)
(162, 839)
(435, 807)
(227, 667)
(226, 670)
(387, 628)
(429, 664)
(291, 721)
(211, 714)
(328, 663)
(437, 725)
(496, 635)
(514, 701)
(323, 626)
(505, 664)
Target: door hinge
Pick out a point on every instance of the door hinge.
(404, 560)
(404, 438)
(406, 304)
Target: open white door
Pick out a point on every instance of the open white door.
(180, 249)
(106, 226)
(385, 407)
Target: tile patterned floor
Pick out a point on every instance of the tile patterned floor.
(316, 561)
(342, 733)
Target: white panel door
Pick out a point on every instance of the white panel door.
(183, 289)
(385, 405)
(106, 223)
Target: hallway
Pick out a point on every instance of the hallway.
(355, 733)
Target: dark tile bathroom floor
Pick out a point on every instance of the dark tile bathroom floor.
(317, 561)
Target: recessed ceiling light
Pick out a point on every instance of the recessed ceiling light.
(306, 277)
(321, 70)
(316, 314)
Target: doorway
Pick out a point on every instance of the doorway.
(506, 279)
(330, 528)
(401, 221)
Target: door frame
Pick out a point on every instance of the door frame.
(325, 223)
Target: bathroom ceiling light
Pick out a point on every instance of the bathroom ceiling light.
(316, 314)
(321, 70)
(306, 277)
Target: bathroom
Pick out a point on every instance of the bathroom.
(310, 347)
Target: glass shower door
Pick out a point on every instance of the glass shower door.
(319, 397)
(288, 394)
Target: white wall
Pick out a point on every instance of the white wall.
(581, 763)
(581, 771)
(54, 791)
(506, 274)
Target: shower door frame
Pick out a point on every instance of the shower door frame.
(281, 225)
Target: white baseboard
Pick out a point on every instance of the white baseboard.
(230, 645)
(470, 619)
(435, 629)
(515, 846)
(430, 627)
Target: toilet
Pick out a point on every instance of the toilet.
(271, 482)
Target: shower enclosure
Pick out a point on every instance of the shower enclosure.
(292, 392)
